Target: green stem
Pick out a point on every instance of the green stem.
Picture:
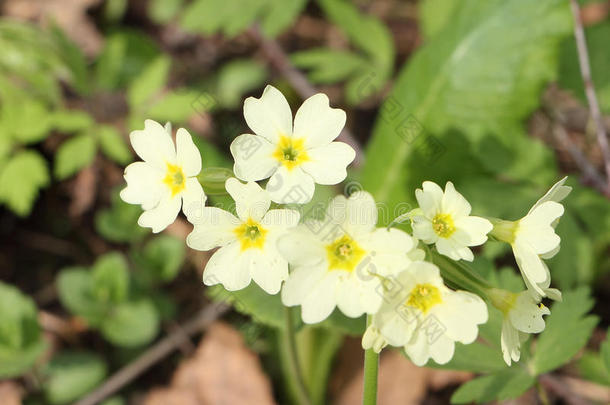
(371, 370)
(461, 275)
(294, 367)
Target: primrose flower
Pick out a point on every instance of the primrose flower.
(444, 219)
(522, 315)
(425, 317)
(343, 260)
(166, 179)
(294, 157)
(533, 239)
(248, 242)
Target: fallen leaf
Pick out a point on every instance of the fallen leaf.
(222, 371)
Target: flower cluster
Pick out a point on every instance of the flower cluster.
(338, 257)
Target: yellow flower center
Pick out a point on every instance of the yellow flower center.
(344, 254)
(443, 225)
(290, 152)
(251, 235)
(424, 297)
(174, 178)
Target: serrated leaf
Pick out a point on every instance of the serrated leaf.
(20, 180)
(21, 342)
(131, 324)
(113, 144)
(149, 83)
(327, 65)
(73, 155)
(71, 375)
(175, 106)
(567, 330)
(477, 76)
(506, 384)
(279, 15)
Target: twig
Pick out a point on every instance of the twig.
(580, 159)
(278, 58)
(155, 354)
(585, 70)
(559, 388)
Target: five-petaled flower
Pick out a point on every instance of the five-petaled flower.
(247, 241)
(425, 317)
(444, 219)
(166, 179)
(293, 157)
(343, 259)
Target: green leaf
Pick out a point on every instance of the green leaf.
(373, 38)
(174, 106)
(119, 223)
(26, 120)
(75, 286)
(131, 324)
(506, 384)
(110, 278)
(21, 179)
(434, 15)
(150, 82)
(252, 300)
(161, 259)
(327, 65)
(73, 155)
(227, 16)
(591, 367)
(113, 144)
(73, 58)
(72, 375)
(162, 11)
(555, 347)
(348, 326)
(237, 78)
(69, 121)
(21, 343)
(279, 15)
(604, 352)
(481, 75)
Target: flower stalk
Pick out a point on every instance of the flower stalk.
(371, 371)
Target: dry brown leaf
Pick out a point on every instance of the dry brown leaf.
(222, 371)
(70, 15)
(10, 393)
(401, 382)
(83, 191)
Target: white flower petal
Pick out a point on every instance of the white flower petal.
(144, 186)
(328, 163)
(253, 157)
(372, 339)
(321, 300)
(193, 197)
(510, 342)
(153, 144)
(300, 283)
(251, 201)
(441, 349)
(162, 215)
(348, 297)
(453, 249)
(430, 198)
(418, 349)
(361, 213)
(388, 249)
(422, 230)
(290, 186)
(187, 154)
(475, 228)
(526, 315)
(317, 122)
(454, 203)
(269, 269)
(270, 115)
(300, 247)
(213, 227)
(531, 265)
(460, 314)
(229, 267)
(281, 218)
(556, 193)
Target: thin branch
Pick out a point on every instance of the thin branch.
(579, 158)
(585, 70)
(155, 354)
(278, 59)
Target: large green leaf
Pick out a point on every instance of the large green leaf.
(481, 75)
(555, 347)
(74, 154)
(503, 385)
(131, 324)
